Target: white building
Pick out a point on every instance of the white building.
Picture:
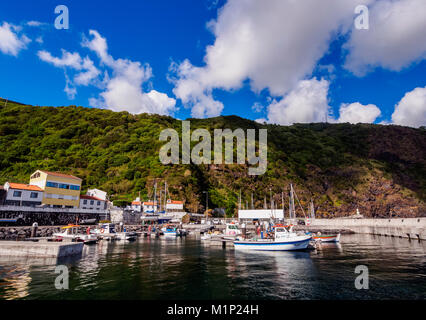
(174, 205)
(150, 207)
(19, 194)
(92, 203)
(97, 193)
(261, 214)
(136, 205)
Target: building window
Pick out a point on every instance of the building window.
(92, 202)
(35, 175)
(17, 194)
(51, 184)
(74, 187)
(84, 201)
(64, 186)
(34, 195)
(99, 203)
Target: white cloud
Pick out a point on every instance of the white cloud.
(411, 110)
(87, 71)
(396, 37)
(68, 59)
(10, 42)
(358, 113)
(99, 45)
(69, 89)
(307, 103)
(84, 78)
(35, 23)
(257, 107)
(250, 44)
(123, 91)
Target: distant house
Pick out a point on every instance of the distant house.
(136, 205)
(174, 205)
(19, 194)
(150, 207)
(97, 193)
(92, 203)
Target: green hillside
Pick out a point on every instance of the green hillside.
(380, 169)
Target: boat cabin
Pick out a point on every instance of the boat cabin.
(232, 229)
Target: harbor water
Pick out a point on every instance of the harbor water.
(185, 268)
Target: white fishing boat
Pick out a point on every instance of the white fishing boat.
(283, 239)
(170, 231)
(206, 236)
(129, 236)
(108, 231)
(71, 232)
(232, 229)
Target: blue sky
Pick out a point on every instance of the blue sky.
(295, 63)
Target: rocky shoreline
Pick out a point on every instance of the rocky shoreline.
(20, 233)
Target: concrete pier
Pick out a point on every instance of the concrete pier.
(412, 228)
(219, 242)
(40, 249)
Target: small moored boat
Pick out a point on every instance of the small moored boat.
(108, 231)
(71, 232)
(327, 237)
(170, 231)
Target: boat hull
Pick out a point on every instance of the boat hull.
(170, 234)
(289, 245)
(330, 238)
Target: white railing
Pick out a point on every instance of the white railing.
(57, 210)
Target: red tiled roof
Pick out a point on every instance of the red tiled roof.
(148, 203)
(85, 196)
(58, 174)
(175, 202)
(22, 186)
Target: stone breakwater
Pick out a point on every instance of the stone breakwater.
(411, 228)
(18, 233)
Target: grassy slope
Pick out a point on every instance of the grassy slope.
(380, 169)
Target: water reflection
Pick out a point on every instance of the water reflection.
(179, 268)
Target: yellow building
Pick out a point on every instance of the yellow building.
(60, 190)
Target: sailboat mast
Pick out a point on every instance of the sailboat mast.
(155, 196)
(293, 208)
(165, 196)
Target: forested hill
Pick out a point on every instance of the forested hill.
(381, 169)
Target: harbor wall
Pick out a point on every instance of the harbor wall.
(412, 228)
(19, 233)
(39, 249)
